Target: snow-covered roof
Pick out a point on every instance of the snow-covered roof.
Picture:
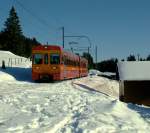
(134, 70)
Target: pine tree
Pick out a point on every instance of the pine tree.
(148, 58)
(109, 65)
(131, 58)
(13, 36)
(12, 23)
(90, 60)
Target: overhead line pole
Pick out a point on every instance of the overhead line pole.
(83, 36)
(96, 56)
(63, 37)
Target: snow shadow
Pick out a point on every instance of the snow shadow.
(143, 111)
(20, 74)
(90, 89)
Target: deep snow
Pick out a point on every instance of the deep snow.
(88, 105)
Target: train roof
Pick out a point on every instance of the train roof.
(56, 47)
(83, 59)
(47, 47)
(71, 55)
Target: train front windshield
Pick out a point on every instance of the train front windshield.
(54, 58)
(37, 58)
(43, 58)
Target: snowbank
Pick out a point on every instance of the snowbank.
(94, 72)
(15, 73)
(109, 75)
(100, 84)
(5, 77)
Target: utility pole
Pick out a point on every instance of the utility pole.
(96, 56)
(88, 53)
(63, 37)
(138, 55)
(72, 49)
(88, 50)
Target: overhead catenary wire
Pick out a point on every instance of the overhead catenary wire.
(38, 19)
(44, 23)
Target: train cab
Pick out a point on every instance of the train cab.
(46, 62)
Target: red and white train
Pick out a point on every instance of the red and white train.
(53, 63)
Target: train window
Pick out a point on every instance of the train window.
(54, 59)
(45, 58)
(65, 61)
(37, 58)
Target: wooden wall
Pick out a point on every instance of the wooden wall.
(135, 92)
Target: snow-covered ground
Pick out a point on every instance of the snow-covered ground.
(88, 105)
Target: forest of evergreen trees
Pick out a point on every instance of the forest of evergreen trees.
(12, 38)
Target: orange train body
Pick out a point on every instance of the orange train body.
(54, 63)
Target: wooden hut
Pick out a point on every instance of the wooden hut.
(134, 82)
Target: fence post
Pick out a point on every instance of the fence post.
(3, 64)
(8, 62)
(11, 62)
(18, 60)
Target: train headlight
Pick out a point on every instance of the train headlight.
(54, 68)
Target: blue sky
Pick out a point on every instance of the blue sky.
(117, 27)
